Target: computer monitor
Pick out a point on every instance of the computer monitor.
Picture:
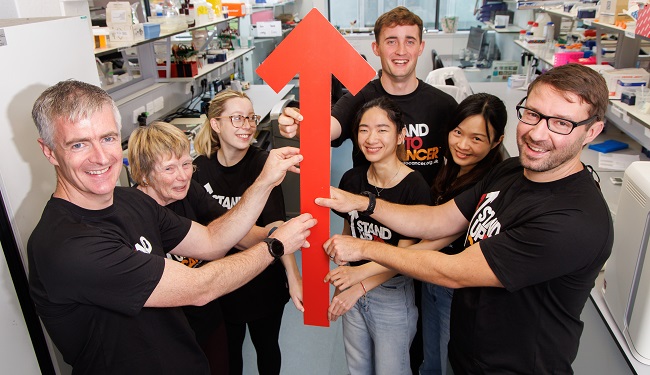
(475, 41)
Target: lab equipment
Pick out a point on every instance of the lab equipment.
(626, 287)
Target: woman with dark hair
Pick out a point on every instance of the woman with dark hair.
(379, 313)
(473, 148)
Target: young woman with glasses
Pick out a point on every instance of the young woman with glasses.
(226, 166)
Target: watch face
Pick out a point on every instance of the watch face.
(275, 247)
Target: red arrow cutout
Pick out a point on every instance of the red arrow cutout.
(315, 50)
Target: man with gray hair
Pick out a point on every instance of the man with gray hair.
(107, 295)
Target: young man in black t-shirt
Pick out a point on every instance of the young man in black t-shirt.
(426, 110)
(98, 275)
(527, 269)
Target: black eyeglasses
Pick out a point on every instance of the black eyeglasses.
(555, 124)
(238, 120)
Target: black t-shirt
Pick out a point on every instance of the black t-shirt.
(268, 291)
(411, 190)
(546, 243)
(200, 207)
(426, 112)
(90, 274)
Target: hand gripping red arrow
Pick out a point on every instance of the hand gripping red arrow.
(315, 50)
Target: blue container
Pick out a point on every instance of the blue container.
(151, 30)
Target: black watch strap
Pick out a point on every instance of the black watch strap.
(276, 248)
(372, 201)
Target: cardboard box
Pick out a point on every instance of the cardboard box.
(118, 13)
(101, 36)
(266, 29)
(613, 76)
(610, 10)
(126, 33)
(235, 9)
(120, 23)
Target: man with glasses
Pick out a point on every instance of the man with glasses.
(538, 231)
(108, 297)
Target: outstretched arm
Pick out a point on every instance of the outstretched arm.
(289, 124)
(468, 268)
(214, 241)
(180, 285)
(435, 221)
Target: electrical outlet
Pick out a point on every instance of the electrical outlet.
(159, 104)
(188, 88)
(150, 108)
(136, 113)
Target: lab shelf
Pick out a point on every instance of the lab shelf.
(116, 47)
(270, 6)
(540, 50)
(508, 29)
(207, 68)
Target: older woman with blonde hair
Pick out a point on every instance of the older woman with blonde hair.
(161, 166)
(226, 166)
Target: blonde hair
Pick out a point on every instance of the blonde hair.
(147, 144)
(206, 141)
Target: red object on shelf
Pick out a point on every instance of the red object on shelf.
(179, 70)
(172, 71)
(643, 23)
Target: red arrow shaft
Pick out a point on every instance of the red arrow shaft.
(314, 183)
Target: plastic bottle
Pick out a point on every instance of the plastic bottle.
(192, 13)
(189, 18)
(529, 26)
(202, 16)
(549, 31)
(549, 34)
(537, 31)
(522, 35)
(216, 5)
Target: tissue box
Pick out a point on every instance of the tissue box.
(262, 29)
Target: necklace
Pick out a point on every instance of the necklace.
(389, 182)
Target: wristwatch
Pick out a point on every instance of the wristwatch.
(371, 203)
(276, 248)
